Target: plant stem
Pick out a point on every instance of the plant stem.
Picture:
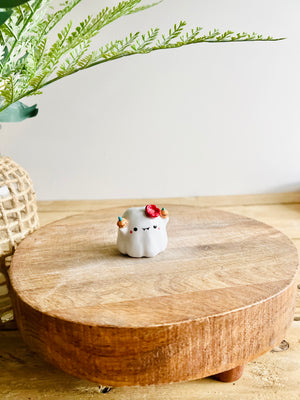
(144, 51)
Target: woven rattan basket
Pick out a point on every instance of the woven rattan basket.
(18, 218)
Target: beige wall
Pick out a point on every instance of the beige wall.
(202, 120)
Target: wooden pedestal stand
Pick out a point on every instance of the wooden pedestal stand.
(222, 294)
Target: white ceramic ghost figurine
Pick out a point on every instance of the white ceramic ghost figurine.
(142, 231)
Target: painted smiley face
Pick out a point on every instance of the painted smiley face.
(143, 236)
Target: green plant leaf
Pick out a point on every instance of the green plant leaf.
(145, 7)
(17, 112)
(4, 15)
(11, 3)
(31, 58)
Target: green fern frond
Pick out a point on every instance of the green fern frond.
(122, 45)
(173, 34)
(8, 92)
(55, 18)
(36, 82)
(51, 59)
(146, 40)
(36, 93)
(40, 50)
(73, 59)
(190, 36)
(85, 61)
(29, 62)
(6, 29)
(145, 7)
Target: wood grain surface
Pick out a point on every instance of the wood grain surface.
(220, 295)
(26, 376)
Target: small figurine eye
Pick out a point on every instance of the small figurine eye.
(154, 226)
(135, 229)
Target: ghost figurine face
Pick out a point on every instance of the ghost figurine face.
(142, 231)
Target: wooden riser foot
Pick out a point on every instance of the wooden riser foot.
(230, 375)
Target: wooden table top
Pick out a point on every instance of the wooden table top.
(275, 375)
(219, 267)
(216, 262)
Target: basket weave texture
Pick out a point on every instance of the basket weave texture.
(18, 209)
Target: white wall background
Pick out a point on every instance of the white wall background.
(206, 119)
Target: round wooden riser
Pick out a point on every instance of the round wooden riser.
(222, 294)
